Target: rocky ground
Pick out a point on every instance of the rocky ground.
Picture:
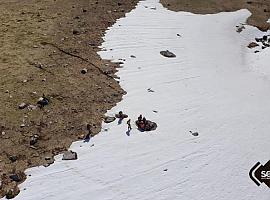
(260, 9)
(44, 48)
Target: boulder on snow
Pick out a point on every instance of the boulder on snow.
(168, 54)
(109, 119)
(70, 155)
(148, 126)
(194, 133)
(252, 45)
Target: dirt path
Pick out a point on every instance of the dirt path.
(260, 9)
(44, 45)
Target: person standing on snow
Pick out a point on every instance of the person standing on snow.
(129, 125)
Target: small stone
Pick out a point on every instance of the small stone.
(32, 107)
(84, 71)
(132, 56)
(194, 133)
(22, 105)
(50, 160)
(13, 158)
(22, 125)
(34, 140)
(75, 32)
(150, 90)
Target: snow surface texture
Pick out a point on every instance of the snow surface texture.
(215, 86)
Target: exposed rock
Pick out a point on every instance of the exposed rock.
(150, 90)
(109, 119)
(49, 160)
(11, 194)
(84, 71)
(168, 54)
(252, 45)
(194, 133)
(13, 158)
(15, 177)
(43, 101)
(240, 29)
(22, 105)
(258, 39)
(70, 155)
(34, 139)
(76, 32)
(32, 107)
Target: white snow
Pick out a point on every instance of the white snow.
(215, 86)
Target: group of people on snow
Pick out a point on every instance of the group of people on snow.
(141, 123)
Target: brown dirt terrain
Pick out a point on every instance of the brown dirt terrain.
(44, 45)
(260, 9)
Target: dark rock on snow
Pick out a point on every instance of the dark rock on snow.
(109, 119)
(252, 45)
(168, 54)
(70, 155)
